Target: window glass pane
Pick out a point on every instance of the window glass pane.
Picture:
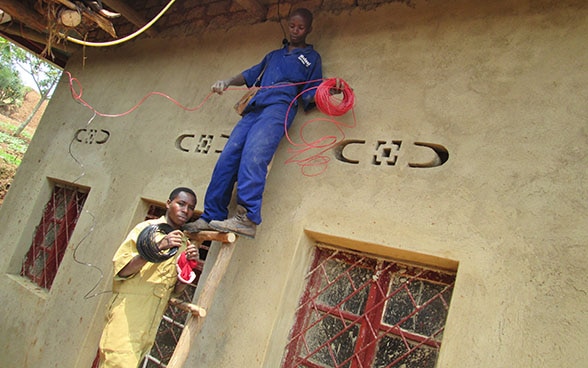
(38, 266)
(418, 305)
(432, 317)
(348, 286)
(391, 348)
(334, 343)
(49, 237)
(59, 205)
(399, 305)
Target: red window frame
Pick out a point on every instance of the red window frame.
(400, 310)
(52, 235)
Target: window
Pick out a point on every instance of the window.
(52, 235)
(361, 311)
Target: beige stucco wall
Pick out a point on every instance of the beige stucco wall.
(501, 85)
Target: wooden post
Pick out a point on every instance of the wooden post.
(102, 22)
(211, 235)
(195, 310)
(194, 324)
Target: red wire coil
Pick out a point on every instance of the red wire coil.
(334, 104)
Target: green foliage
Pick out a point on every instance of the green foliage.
(12, 149)
(11, 87)
(44, 74)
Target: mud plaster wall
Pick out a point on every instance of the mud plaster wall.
(502, 86)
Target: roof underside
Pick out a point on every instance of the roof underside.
(54, 29)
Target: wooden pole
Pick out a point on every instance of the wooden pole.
(211, 235)
(194, 324)
(195, 310)
(120, 6)
(102, 22)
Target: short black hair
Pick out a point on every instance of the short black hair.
(178, 190)
(304, 13)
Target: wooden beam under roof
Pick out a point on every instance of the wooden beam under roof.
(130, 14)
(24, 33)
(15, 30)
(24, 14)
(58, 55)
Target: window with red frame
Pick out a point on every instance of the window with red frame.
(359, 311)
(52, 235)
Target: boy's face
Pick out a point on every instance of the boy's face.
(299, 29)
(180, 209)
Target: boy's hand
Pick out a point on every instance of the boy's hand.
(219, 87)
(338, 88)
(192, 252)
(173, 239)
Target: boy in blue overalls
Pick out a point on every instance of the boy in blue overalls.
(254, 140)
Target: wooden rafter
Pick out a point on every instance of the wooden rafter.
(102, 22)
(130, 14)
(24, 14)
(41, 38)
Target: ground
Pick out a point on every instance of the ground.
(15, 119)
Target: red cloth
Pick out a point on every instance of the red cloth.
(186, 268)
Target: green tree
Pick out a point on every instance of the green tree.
(45, 75)
(11, 87)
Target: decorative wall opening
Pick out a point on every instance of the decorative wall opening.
(361, 311)
(52, 235)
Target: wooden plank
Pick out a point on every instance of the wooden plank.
(102, 22)
(29, 34)
(131, 15)
(68, 4)
(194, 324)
(24, 15)
(195, 310)
(211, 235)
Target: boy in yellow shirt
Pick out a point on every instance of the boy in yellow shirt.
(142, 287)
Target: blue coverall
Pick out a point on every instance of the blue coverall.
(254, 140)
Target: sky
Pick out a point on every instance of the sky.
(26, 78)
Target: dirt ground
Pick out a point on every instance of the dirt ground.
(16, 118)
(20, 115)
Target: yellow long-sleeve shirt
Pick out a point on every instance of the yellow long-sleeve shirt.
(137, 304)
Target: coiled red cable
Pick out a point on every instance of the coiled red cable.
(333, 97)
(333, 104)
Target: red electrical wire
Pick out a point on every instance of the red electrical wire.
(331, 104)
(78, 97)
(310, 155)
(333, 97)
